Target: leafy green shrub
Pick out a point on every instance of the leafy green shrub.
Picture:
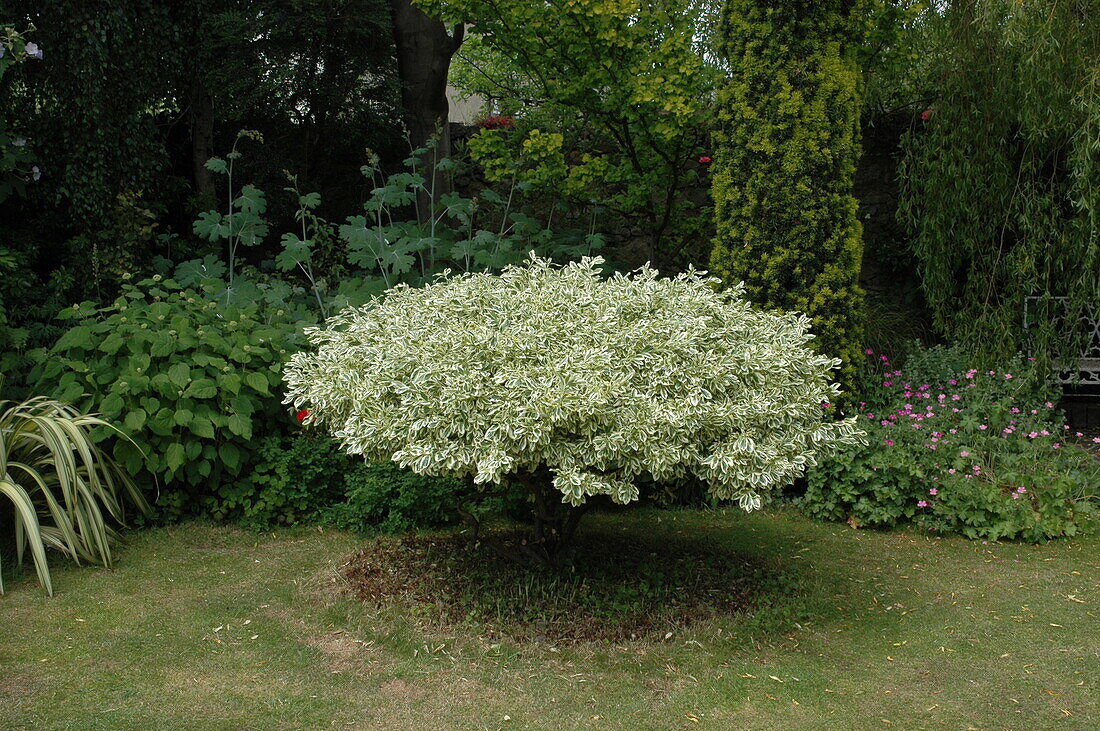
(62, 488)
(788, 143)
(292, 481)
(189, 378)
(982, 454)
(377, 250)
(572, 385)
(393, 500)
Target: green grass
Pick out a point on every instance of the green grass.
(203, 626)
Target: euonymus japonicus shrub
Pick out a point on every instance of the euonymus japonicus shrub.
(570, 385)
(188, 375)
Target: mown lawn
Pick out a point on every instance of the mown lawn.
(204, 626)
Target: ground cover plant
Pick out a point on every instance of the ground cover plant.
(983, 453)
(562, 384)
(228, 628)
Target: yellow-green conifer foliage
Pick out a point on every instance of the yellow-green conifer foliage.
(786, 153)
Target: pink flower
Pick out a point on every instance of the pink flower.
(1015, 496)
(934, 491)
(1008, 376)
(1049, 405)
(1057, 445)
(704, 159)
(1021, 489)
(964, 453)
(889, 442)
(922, 504)
(951, 471)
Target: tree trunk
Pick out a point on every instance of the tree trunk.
(202, 138)
(424, 50)
(555, 521)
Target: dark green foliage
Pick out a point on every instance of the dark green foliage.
(979, 453)
(316, 77)
(192, 380)
(787, 146)
(106, 66)
(293, 480)
(132, 96)
(393, 500)
(306, 478)
(1001, 175)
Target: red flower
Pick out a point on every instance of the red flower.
(704, 159)
(927, 114)
(495, 121)
(302, 415)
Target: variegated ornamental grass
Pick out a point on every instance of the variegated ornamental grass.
(598, 380)
(65, 492)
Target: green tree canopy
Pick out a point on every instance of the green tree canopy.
(1001, 181)
(626, 85)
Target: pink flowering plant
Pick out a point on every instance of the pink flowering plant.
(984, 453)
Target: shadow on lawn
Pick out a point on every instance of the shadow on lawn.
(609, 586)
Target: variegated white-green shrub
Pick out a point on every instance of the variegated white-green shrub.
(546, 373)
